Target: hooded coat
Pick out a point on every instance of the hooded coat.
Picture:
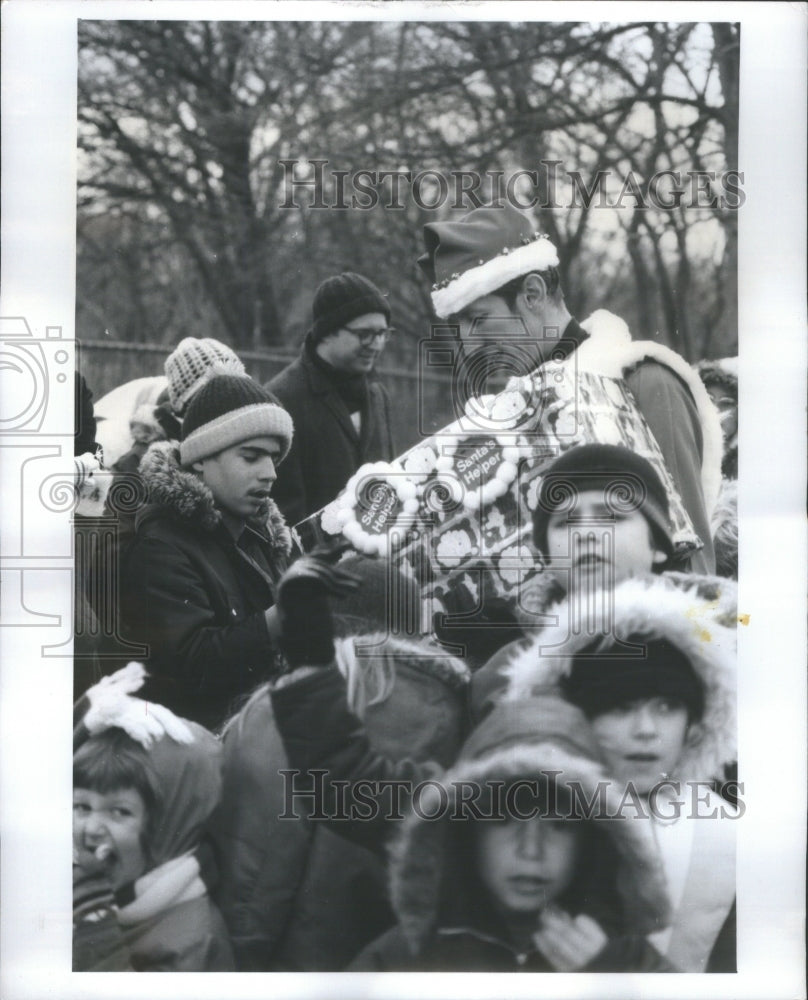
(165, 919)
(197, 597)
(446, 921)
(699, 858)
(295, 894)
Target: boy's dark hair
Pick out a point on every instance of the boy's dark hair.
(602, 678)
(550, 277)
(112, 761)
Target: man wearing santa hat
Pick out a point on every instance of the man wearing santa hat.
(494, 276)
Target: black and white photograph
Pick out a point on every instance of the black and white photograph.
(403, 459)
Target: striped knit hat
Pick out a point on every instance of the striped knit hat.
(189, 366)
(229, 409)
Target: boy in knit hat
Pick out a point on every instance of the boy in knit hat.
(199, 576)
(341, 412)
(659, 692)
(497, 278)
(601, 517)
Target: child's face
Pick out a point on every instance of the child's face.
(114, 821)
(526, 864)
(240, 478)
(596, 547)
(643, 740)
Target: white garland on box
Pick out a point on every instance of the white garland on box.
(345, 506)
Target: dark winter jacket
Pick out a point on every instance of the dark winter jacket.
(326, 450)
(295, 894)
(197, 597)
(447, 921)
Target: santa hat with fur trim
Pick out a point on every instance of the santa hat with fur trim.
(656, 610)
(479, 253)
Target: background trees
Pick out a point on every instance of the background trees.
(182, 127)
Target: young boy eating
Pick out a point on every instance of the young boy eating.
(140, 807)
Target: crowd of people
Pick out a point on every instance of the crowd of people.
(289, 783)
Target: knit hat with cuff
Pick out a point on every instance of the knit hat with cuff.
(192, 363)
(229, 409)
(342, 298)
(627, 481)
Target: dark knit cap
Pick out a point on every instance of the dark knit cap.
(342, 298)
(627, 480)
(229, 409)
(386, 599)
(599, 682)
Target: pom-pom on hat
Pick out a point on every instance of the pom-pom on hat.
(342, 298)
(229, 409)
(480, 253)
(627, 480)
(192, 363)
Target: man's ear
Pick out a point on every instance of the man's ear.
(534, 290)
(197, 466)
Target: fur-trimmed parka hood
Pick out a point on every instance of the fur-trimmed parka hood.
(541, 736)
(698, 619)
(176, 489)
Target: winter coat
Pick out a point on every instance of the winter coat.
(447, 922)
(326, 450)
(195, 596)
(296, 895)
(164, 921)
(699, 857)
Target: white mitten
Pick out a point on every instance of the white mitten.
(112, 705)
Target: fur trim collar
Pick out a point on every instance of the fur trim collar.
(610, 351)
(179, 491)
(701, 626)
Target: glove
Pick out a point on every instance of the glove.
(306, 625)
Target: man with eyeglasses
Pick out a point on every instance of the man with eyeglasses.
(340, 409)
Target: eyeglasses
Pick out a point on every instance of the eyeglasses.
(366, 335)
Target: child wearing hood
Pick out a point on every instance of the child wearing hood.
(659, 692)
(476, 890)
(145, 784)
(501, 871)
